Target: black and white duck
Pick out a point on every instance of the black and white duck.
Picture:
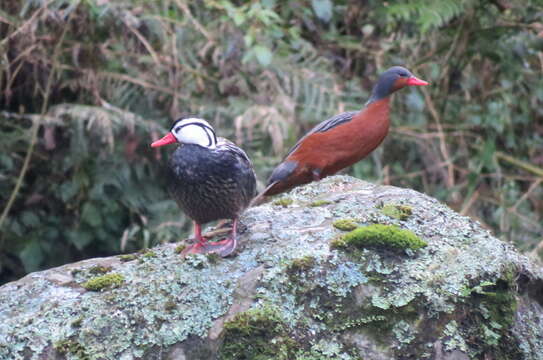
(210, 178)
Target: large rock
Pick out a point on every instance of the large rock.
(288, 295)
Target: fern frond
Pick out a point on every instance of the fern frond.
(428, 13)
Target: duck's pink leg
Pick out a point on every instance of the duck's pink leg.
(200, 242)
(227, 246)
(223, 248)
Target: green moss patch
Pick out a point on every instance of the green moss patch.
(108, 281)
(487, 316)
(257, 334)
(146, 254)
(397, 211)
(179, 248)
(127, 257)
(378, 235)
(497, 303)
(99, 269)
(170, 305)
(376, 322)
(149, 254)
(301, 264)
(284, 202)
(213, 258)
(73, 348)
(345, 224)
(363, 321)
(319, 203)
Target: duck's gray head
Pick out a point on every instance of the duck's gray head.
(394, 79)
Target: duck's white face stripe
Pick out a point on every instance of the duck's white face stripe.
(195, 131)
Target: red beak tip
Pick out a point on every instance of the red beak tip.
(168, 139)
(414, 81)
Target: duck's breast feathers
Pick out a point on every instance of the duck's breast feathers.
(211, 184)
(194, 163)
(325, 126)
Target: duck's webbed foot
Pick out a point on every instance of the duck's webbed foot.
(222, 248)
(223, 227)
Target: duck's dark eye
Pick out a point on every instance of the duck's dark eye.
(404, 74)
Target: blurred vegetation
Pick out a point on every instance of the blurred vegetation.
(86, 85)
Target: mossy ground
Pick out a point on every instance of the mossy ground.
(345, 224)
(179, 248)
(257, 334)
(261, 333)
(301, 264)
(397, 211)
(319, 203)
(213, 258)
(382, 236)
(495, 306)
(380, 324)
(284, 201)
(72, 348)
(127, 257)
(103, 282)
(99, 270)
(148, 254)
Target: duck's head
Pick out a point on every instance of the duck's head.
(394, 79)
(189, 130)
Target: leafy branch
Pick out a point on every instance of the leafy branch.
(36, 123)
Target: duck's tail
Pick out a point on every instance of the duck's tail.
(263, 196)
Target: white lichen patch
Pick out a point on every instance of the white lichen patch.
(454, 340)
(403, 332)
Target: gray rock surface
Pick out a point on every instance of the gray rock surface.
(288, 295)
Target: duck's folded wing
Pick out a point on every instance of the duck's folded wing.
(325, 126)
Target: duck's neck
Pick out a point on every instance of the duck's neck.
(378, 108)
(378, 95)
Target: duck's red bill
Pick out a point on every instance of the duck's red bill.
(414, 81)
(168, 139)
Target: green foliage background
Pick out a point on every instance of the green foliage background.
(86, 85)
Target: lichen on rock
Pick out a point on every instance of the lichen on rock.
(288, 294)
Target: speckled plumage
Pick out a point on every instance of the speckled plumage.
(211, 184)
(210, 178)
